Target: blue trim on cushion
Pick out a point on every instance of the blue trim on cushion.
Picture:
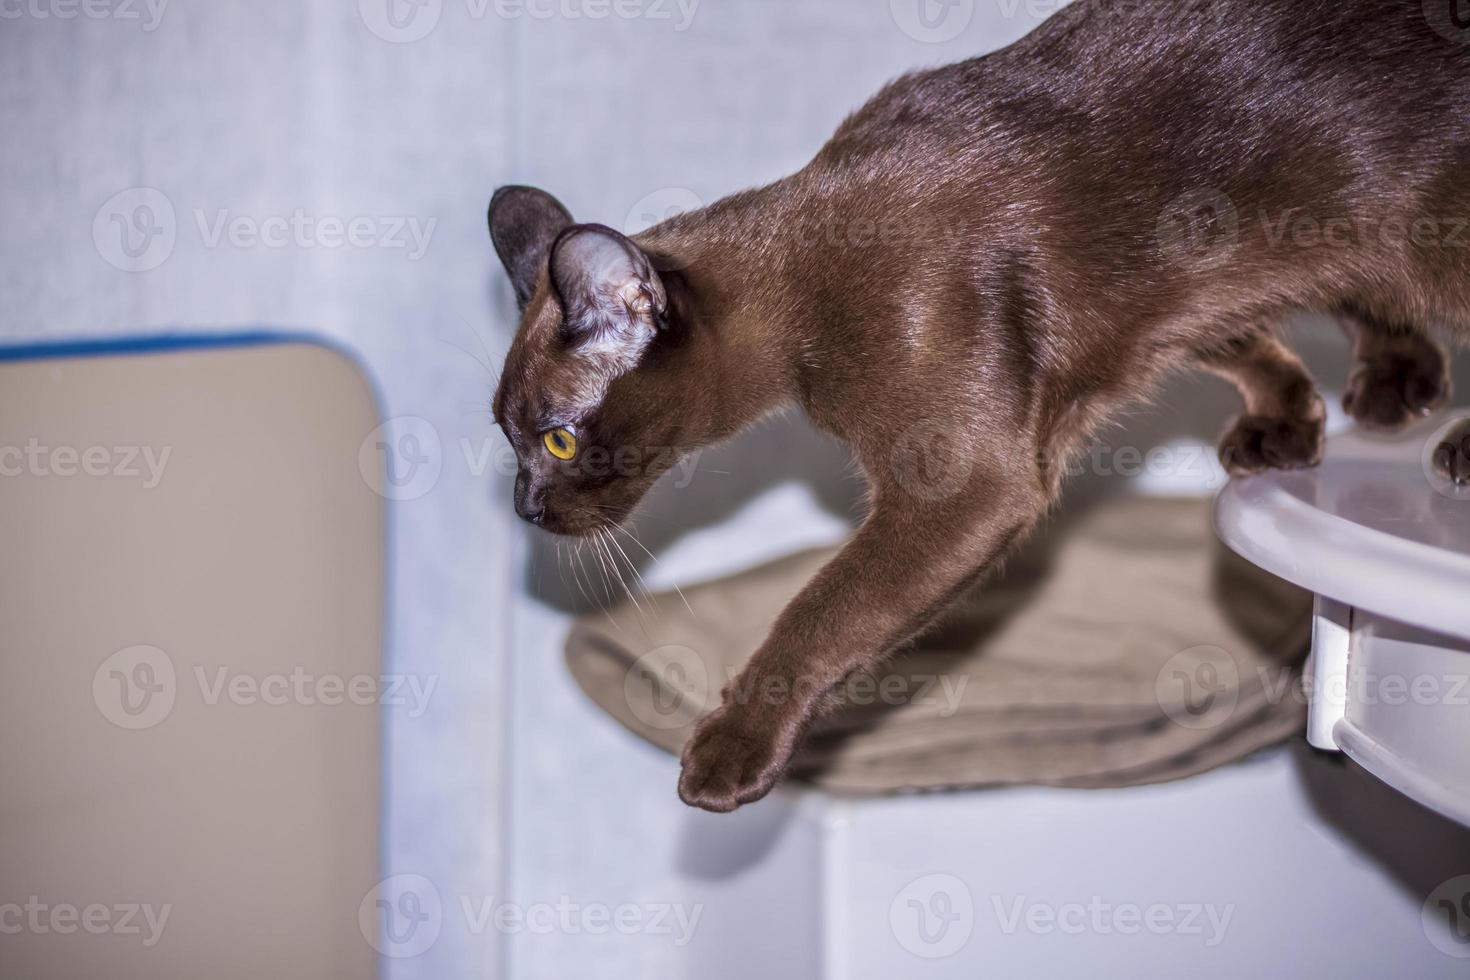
(166, 343)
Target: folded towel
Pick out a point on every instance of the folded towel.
(1120, 646)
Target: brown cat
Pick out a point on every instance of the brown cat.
(982, 263)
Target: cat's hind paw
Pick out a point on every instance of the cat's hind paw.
(1256, 443)
(1451, 458)
(1390, 392)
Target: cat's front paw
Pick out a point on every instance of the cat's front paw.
(732, 760)
(1451, 457)
(1390, 392)
(1261, 442)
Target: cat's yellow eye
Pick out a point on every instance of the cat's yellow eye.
(560, 443)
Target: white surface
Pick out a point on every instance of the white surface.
(1327, 669)
(1384, 541)
(1368, 527)
(1407, 712)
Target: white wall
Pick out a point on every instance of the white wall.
(511, 787)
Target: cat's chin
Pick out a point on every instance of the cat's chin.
(575, 525)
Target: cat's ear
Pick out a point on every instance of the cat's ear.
(613, 301)
(524, 222)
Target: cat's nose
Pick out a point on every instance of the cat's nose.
(531, 508)
(530, 503)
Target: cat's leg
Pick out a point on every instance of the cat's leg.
(1402, 373)
(1284, 419)
(909, 559)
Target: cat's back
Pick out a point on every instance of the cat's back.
(1106, 68)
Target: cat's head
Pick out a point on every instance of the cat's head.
(590, 397)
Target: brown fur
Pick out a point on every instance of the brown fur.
(983, 263)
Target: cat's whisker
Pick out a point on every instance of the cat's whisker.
(606, 539)
(494, 374)
(638, 576)
(472, 356)
(628, 533)
(588, 596)
(597, 553)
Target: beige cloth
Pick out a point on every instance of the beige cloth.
(1118, 647)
